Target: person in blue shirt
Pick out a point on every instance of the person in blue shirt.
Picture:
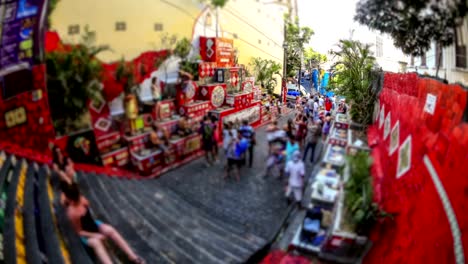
(247, 132)
(235, 152)
(291, 147)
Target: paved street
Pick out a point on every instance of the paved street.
(255, 203)
(193, 215)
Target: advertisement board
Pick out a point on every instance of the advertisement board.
(219, 50)
(21, 38)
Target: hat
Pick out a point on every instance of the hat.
(342, 100)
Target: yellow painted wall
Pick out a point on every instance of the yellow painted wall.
(248, 19)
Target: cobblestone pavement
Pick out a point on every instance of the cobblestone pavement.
(255, 202)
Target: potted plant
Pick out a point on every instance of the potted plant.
(361, 210)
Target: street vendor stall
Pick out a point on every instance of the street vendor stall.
(327, 229)
(149, 114)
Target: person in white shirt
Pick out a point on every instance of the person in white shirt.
(321, 101)
(316, 109)
(296, 170)
(310, 102)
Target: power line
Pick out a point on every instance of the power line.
(253, 45)
(181, 9)
(252, 26)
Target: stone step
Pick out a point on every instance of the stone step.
(227, 203)
(232, 223)
(241, 243)
(166, 227)
(29, 224)
(9, 233)
(5, 170)
(48, 231)
(226, 246)
(106, 209)
(158, 241)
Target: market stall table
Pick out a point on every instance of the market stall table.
(335, 155)
(147, 161)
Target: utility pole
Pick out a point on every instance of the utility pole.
(285, 61)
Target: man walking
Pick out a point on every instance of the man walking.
(248, 133)
(296, 170)
(312, 137)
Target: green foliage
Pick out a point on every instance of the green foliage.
(296, 38)
(187, 65)
(353, 76)
(265, 71)
(215, 3)
(182, 48)
(124, 74)
(313, 57)
(72, 79)
(414, 24)
(359, 204)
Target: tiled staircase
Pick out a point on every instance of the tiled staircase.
(160, 225)
(30, 232)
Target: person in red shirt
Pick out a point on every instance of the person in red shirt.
(328, 104)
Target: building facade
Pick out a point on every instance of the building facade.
(130, 28)
(453, 59)
(388, 57)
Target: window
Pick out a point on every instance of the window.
(120, 26)
(423, 60)
(158, 27)
(379, 47)
(439, 56)
(460, 56)
(460, 49)
(73, 29)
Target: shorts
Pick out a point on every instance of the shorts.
(207, 145)
(297, 193)
(84, 239)
(231, 163)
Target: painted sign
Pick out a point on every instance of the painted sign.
(387, 126)
(20, 43)
(251, 114)
(395, 137)
(219, 50)
(404, 157)
(430, 105)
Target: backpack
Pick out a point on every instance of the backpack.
(207, 132)
(241, 147)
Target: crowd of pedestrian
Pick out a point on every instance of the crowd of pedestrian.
(289, 146)
(238, 142)
(298, 139)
